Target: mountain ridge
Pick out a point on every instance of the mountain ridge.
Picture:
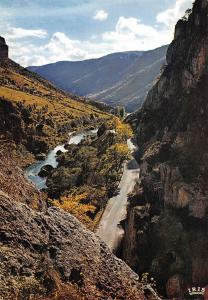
(112, 79)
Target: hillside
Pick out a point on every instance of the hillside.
(37, 117)
(166, 228)
(52, 256)
(116, 79)
(35, 113)
(46, 253)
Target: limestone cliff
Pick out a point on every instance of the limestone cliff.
(167, 216)
(4, 49)
(50, 255)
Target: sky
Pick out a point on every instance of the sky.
(46, 31)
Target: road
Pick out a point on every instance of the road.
(109, 229)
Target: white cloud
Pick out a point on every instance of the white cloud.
(131, 34)
(19, 33)
(61, 47)
(101, 15)
(170, 16)
(128, 34)
(58, 48)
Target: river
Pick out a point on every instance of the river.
(109, 229)
(32, 171)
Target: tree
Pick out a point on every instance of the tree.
(73, 205)
(187, 14)
(120, 152)
(123, 130)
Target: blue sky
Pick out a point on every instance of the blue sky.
(45, 31)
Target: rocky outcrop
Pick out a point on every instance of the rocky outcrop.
(169, 213)
(50, 255)
(45, 171)
(12, 179)
(4, 49)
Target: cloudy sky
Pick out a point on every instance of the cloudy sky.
(45, 31)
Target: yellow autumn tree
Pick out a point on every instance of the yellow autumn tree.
(119, 152)
(121, 149)
(73, 204)
(122, 129)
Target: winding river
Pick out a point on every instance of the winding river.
(32, 171)
(109, 229)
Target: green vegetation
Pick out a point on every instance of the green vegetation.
(88, 174)
(37, 115)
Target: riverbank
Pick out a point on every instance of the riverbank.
(85, 172)
(32, 172)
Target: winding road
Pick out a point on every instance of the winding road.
(110, 230)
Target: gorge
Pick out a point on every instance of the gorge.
(135, 187)
(45, 252)
(166, 228)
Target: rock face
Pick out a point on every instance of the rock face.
(4, 49)
(50, 255)
(167, 216)
(13, 181)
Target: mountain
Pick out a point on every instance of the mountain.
(116, 79)
(46, 253)
(168, 214)
(34, 112)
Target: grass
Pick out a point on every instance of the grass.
(61, 107)
(18, 85)
(45, 104)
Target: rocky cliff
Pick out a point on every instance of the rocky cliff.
(50, 255)
(167, 216)
(4, 50)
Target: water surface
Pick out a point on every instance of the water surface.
(32, 171)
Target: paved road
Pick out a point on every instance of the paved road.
(109, 229)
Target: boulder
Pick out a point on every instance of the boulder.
(40, 156)
(45, 171)
(59, 152)
(67, 146)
